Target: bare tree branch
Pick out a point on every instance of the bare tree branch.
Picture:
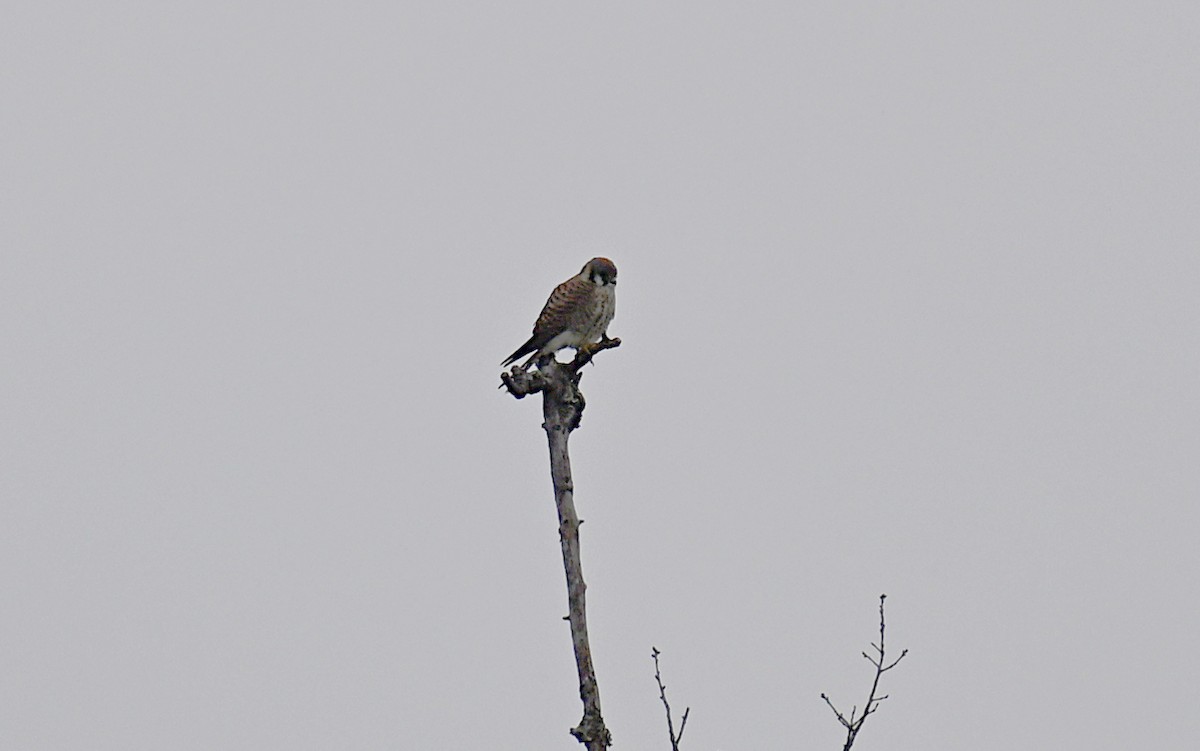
(854, 723)
(562, 409)
(662, 694)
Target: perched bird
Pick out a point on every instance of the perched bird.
(577, 313)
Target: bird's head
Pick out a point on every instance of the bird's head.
(600, 271)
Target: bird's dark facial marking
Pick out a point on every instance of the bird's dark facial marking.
(601, 272)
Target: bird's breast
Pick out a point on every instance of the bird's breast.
(602, 310)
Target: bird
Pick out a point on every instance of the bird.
(577, 313)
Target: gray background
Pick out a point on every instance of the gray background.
(908, 295)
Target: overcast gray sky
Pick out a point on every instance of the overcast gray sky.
(909, 302)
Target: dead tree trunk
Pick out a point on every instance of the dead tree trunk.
(562, 408)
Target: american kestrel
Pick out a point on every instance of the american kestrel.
(577, 313)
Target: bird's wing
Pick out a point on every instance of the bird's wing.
(566, 298)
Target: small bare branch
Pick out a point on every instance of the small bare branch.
(662, 694)
(840, 718)
(853, 725)
(585, 353)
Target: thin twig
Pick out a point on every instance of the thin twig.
(855, 722)
(662, 694)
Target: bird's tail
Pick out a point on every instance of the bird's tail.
(523, 350)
